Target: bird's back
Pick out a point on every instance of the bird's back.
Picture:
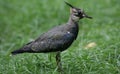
(56, 39)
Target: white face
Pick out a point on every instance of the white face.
(75, 18)
(75, 14)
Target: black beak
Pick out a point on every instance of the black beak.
(84, 15)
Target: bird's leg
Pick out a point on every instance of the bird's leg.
(58, 60)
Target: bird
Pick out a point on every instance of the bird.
(58, 38)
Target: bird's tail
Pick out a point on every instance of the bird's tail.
(17, 52)
(21, 50)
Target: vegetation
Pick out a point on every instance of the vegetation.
(24, 20)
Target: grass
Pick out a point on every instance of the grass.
(24, 20)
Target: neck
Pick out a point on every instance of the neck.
(71, 21)
(73, 26)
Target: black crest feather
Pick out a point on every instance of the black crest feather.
(69, 4)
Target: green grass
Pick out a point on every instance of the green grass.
(24, 20)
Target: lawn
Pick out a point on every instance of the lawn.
(24, 20)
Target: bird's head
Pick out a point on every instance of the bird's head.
(77, 13)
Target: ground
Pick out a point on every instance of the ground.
(96, 50)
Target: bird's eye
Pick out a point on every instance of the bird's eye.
(79, 12)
